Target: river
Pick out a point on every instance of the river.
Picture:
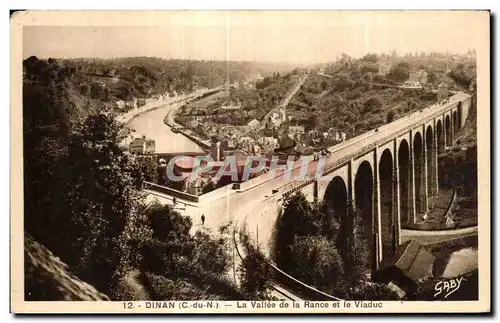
(152, 126)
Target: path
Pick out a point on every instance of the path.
(285, 101)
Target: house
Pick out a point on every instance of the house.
(120, 104)
(410, 265)
(255, 149)
(141, 146)
(254, 124)
(297, 132)
(246, 142)
(141, 102)
(384, 69)
(195, 187)
(132, 104)
(268, 142)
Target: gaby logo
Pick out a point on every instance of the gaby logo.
(448, 286)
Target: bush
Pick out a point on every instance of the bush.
(390, 116)
(162, 288)
(373, 105)
(316, 261)
(373, 292)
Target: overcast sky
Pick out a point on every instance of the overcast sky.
(293, 37)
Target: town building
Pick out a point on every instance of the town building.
(268, 142)
(254, 124)
(142, 146)
(296, 132)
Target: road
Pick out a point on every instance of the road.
(284, 103)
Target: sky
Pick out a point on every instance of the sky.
(264, 36)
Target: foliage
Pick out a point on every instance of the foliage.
(147, 170)
(370, 58)
(331, 254)
(109, 80)
(78, 180)
(458, 170)
(390, 116)
(201, 260)
(354, 246)
(373, 292)
(81, 197)
(399, 72)
(317, 261)
(299, 218)
(163, 288)
(254, 270)
(372, 105)
(460, 76)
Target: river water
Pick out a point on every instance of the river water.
(152, 126)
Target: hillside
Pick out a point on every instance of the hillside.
(47, 278)
(110, 80)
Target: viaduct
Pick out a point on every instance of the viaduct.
(388, 175)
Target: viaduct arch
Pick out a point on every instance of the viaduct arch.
(388, 184)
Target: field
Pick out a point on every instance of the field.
(209, 103)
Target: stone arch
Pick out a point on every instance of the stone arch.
(440, 137)
(386, 180)
(363, 190)
(447, 130)
(418, 160)
(336, 198)
(431, 161)
(405, 180)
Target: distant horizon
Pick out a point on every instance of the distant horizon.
(399, 55)
(275, 37)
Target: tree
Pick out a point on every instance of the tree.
(254, 270)
(372, 105)
(370, 58)
(312, 122)
(299, 218)
(432, 77)
(390, 116)
(316, 261)
(147, 170)
(102, 200)
(399, 72)
(201, 259)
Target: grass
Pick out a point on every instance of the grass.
(206, 102)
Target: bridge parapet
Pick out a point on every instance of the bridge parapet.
(171, 192)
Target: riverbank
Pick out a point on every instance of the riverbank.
(130, 115)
